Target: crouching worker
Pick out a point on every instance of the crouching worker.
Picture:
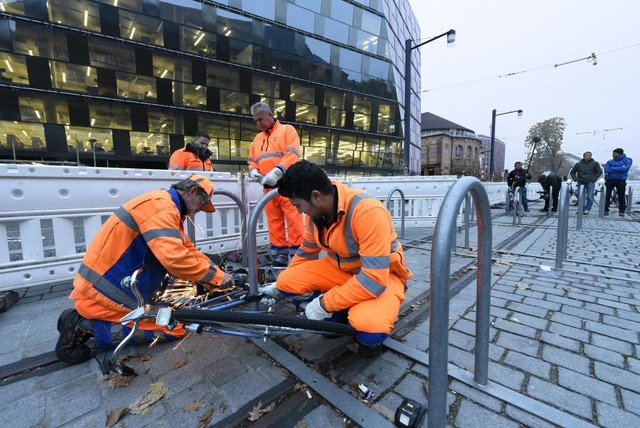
(364, 271)
(148, 232)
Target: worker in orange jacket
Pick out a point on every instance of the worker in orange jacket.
(146, 232)
(195, 156)
(273, 150)
(364, 271)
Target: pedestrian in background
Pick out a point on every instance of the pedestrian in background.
(551, 183)
(616, 172)
(273, 150)
(586, 173)
(518, 178)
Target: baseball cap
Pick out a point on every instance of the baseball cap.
(207, 187)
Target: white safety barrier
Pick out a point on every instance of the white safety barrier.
(49, 214)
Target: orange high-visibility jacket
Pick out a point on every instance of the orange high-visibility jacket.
(276, 147)
(362, 241)
(187, 160)
(147, 231)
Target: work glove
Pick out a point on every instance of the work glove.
(228, 281)
(254, 174)
(271, 179)
(314, 310)
(271, 294)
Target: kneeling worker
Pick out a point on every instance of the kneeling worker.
(146, 232)
(364, 271)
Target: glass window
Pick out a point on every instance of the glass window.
(149, 144)
(362, 113)
(302, 93)
(198, 41)
(132, 5)
(314, 5)
(264, 8)
(342, 11)
(223, 77)
(234, 102)
(350, 60)
(336, 118)
(379, 69)
(365, 41)
(458, 151)
(266, 86)
(306, 113)
(234, 26)
(165, 121)
(171, 67)
(89, 140)
(16, 7)
(31, 39)
(337, 31)
(300, 18)
(371, 23)
(185, 12)
(186, 94)
(22, 136)
(141, 28)
(109, 115)
(136, 87)
(241, 52)
(109, 54)
(320, 49)
(75, 13)
(13, 69)
(44, 108)
(318, 138)
(317, 155)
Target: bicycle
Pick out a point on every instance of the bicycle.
(216, 315)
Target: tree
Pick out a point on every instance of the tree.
(548, 151)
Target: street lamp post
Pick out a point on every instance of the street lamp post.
(451, 38)
(493, 137)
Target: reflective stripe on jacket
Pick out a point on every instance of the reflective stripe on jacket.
(361, 241)
(186, 160)
(146, 231)
(278, 146)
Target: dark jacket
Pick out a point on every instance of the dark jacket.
(586, 172)
(550, 180)
(618, 169)
(518, 178)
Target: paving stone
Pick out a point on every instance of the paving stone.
(477, 395)
(528, 320)
(621, 322)
(517, 328)
(560, 341)
(615, 332)
(604, 355)
(521, 344)
(612, 344)
(633, 364)
(473, 415)
(583, 314)
(531, 365)
(525, 418)
(564, 358)
(617, 376)
(609, 416)
(570, 320)
(506, 376)
(25, 412)
(587, 385)
(570, 332)
(600, 309)
(560, 397)
(534, 311)
(81, 400)
(323, 416)
(631, 400)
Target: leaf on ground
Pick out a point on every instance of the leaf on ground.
(222, 408)
(254, 414)
(145, 357)
(115, 415)
(153, 394)
(566, 289)
(371, 377)
(498, 273)
(194, 405)
(301, 424)
(205, 418)
(117, 381)
(353, 347)
(154, 341)
(503, 263)
(522, 286)
(181, 362)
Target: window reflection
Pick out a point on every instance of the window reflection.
(92, 140)
(34, 40)
(136, 87)
(149, 143)
(45, 109)
(166, 122)
(266, 86)
(22, 136)
(171, 67)
(186, 12)
(12, 7)
(306, 113)
(75, 13)
(186, 94)
(109, 115)
(141, 28)
(362, 113)
(112, 55)
(234, 102)
(198, 41)
(223, 77)
(13, 69)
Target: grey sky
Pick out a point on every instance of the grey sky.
(500, 37)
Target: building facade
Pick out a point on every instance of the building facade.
(499, 152)
(125, 83)
(448, 148)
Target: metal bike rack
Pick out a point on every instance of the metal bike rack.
(517, 201)
(243, 221)
(563, 226)
(467, 209)
(252, 245)
(630, 200)
(601, 203)
(507, 201)
(550, 201)
(582, 190)
(401, 208)
(439, 293)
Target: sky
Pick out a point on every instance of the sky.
(522, 41)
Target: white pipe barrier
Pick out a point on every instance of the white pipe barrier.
(49, 214)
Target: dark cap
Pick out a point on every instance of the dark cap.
(618, 151)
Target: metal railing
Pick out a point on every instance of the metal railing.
(439, 293)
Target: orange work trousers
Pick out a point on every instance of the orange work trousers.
(278, 210)
(376, 315)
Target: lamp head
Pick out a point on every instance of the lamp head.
(451, 36)
(536, 139)
(519, 113)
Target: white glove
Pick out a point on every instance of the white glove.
(271, 179)
(314, 310)
(254, 174)
(272, 294)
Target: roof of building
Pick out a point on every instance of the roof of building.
(430, 121)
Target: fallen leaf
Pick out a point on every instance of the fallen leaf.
(522, 286)
(566, 289)
(145, 357)
(514, 319)
(115, 415)
(181, 362)
(153, 394)
(254, 414)
(205, 418)
(498, 273)
(223, 407)
(384, 411)
(117, 381)
(545, 268)
(194, 405)
(301, 424)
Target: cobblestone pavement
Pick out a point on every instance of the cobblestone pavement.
(562, 341)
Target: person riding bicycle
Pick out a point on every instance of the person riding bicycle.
(364, 272)
(586, 173)
(146, 232)
(551, 183)
(616, 171)
(518, 178)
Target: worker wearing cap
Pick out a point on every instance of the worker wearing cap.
(146, 232)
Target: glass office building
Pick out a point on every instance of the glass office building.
(124, 83)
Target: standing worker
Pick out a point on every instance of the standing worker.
(551, 183)
(518, 178)
(146, 232)
(195, 156)
(273, 150)
(616, 172)
(586, 173)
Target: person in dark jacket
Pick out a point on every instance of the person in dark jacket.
(518, 178)
(586, 173)
(550, 182)
(616, 171)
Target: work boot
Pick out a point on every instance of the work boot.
(71, 346)
(280, 261)
(366, 351)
